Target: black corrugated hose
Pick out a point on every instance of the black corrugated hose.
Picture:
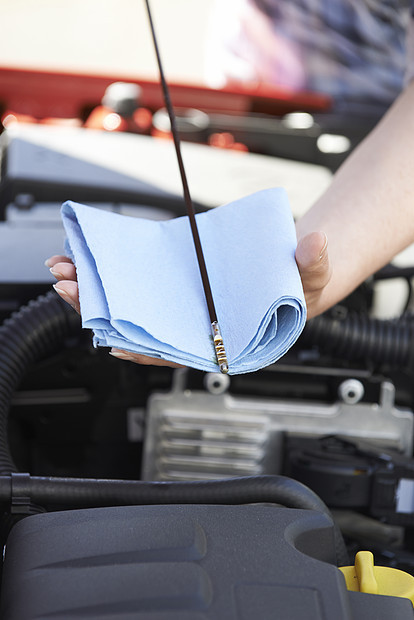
(360, 337)
(34, 332)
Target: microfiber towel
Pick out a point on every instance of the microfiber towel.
(140, 288)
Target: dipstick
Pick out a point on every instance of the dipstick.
(217, 338)
(219, 347)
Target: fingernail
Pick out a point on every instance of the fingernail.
(65, 296)
(47, 263)
(55, 274)
(324, 248)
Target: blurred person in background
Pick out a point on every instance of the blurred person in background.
(353, 50)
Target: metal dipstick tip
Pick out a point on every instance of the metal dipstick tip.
(219, 347)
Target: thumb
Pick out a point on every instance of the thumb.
(314, 268)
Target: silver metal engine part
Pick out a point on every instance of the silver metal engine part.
(196, 434)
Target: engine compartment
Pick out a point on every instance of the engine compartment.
(99, 435)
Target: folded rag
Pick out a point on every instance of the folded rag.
(140, 288)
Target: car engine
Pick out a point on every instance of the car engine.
(133, 491)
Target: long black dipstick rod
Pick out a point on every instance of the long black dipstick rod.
(215, 328)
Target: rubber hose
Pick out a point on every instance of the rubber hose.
(92, 493)
(359, 337)
(31, 334)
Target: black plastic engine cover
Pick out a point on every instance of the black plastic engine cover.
(181, 562)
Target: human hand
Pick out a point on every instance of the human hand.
(63, 269)
(314, 268)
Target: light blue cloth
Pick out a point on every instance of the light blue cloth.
(140, 287)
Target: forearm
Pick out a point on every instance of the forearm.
(368, 210)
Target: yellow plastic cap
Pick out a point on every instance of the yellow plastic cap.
(366, 577)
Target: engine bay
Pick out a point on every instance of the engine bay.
(159, 491)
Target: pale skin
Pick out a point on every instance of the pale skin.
(367, 214)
